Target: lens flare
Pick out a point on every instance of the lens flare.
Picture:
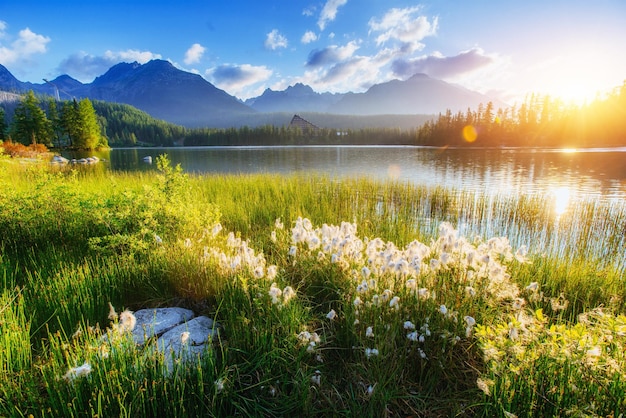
(469, 133)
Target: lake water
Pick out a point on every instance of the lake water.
(570, 174)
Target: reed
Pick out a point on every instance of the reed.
(337, 297)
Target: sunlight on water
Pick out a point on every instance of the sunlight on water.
(562, 196)
(569, 150)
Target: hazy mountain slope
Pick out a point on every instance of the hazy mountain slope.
(297, 98)
(419, 94)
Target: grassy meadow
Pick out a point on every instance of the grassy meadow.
(335, 298)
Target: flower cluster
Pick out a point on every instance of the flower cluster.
(392, 282)
(239, 256)
(594, 345)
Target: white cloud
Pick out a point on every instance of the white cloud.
(194, 54)
(20, 51)
(238, 79)
(404, 26)
(439, 66)
(275, 40)
(309, 11)
(131, 55)
(85, 67)
(308, 37)
(332, 54)
(329, 12)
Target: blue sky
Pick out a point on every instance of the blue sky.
(571, 49)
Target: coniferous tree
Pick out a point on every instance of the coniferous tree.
(69, 120)
(55, 122)
(88, 133)
(3, 125)
(30, 124)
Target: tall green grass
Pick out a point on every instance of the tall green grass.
(73, 242)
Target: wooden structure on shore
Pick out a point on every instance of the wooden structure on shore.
(304, 125)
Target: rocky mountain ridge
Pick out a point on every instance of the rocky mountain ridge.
(166, 92)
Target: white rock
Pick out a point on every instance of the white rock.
(151, 322)
(198, 332)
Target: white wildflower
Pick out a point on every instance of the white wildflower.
(369, 332)
(423, 293)
(365, 272)
(278, 224)
(76, 372)
(304, 337)
(316, 378)
(560, 303)
(469, 321)
(411, 284)
(127, 321)
(275, 293)
(216, 229)
(485, 385)
(469, 291)
(158, 239)
(393, 303)
(422, 353)
(521, 254)
(112, 313)
(409, 325)
(369, 352)
(293, 250)
(518, 303)
(184, 337)
(331, 315)
(187, 243)
(288, 294)
(532, 287)
(596, 351)
(219, 385)
(469, 325)
(413, 336)
(357, 302)
(273, 236)
(370, 390)
(271, 272)
(513, 333)
(443, 309)
(259, 272)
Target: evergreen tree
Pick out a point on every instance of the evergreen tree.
(69, 120)
(87, 128)
(55, 122)
(30, 124)
(3, 125)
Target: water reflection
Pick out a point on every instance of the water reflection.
(597, 173)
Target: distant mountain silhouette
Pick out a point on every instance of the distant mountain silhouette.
(419, 94)
(184, 98)
(297, 98)
(156, 87)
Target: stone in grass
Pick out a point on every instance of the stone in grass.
(156, 322)
(180, 335)
(188, 340)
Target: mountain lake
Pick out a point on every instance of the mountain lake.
(568, 174)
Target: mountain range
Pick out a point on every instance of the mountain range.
(166, 92)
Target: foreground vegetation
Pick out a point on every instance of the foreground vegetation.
(335, 298)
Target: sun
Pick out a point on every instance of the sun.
(577, 93)
(574, 78)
